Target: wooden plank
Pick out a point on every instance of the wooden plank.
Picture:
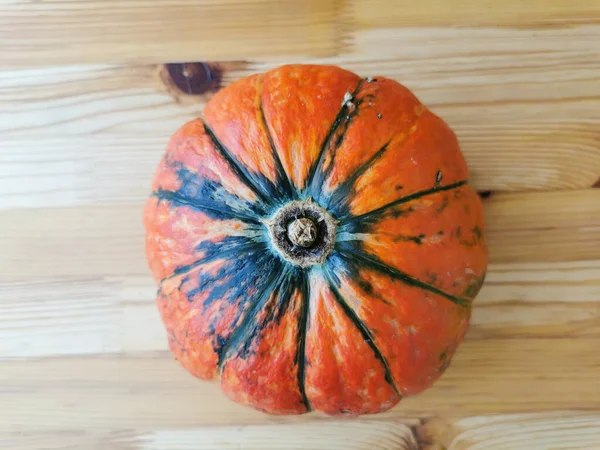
(457, 82)
(542, 299)
(117, 168)
(84, 100)
(101, 315)
(64, 242)
(477, 60)
(78, 171)
(509, 13)
(96, 315)
(554, 429)
(91, 31)
(544, 226)
(98, 393)
(525, 120)
(108, 240)
(334, 435)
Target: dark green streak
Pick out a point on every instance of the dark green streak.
(248, 325)
(336, 123)
(342, 190)
(180, 200)
(362, 169)
(364, 331)
(222, 254)
(302, 331)
(406, 199)
(238, 169)
(284, 179)
(374, 263)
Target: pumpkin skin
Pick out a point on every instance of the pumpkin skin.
(380, 315)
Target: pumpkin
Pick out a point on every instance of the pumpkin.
(315, 242)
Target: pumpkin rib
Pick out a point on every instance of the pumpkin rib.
(177, 199)
(263, 374)
(374, 263)
(338, 195)
(402, 111)
(234, 116)
(302, 331)
(204, 306)
(244, 330)
(236, 167)
(282, 175)
(363, 329)
(406, 199)
(312, 178)
(341, 195)
(437, 239)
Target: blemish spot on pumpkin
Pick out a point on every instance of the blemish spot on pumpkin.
(458, 232)
(445, 359)
(438, 177)
(432, 278)
(443, 206)
(416, 239)
(379, 116)
(347, 98)
(365, 286)
(474, 287)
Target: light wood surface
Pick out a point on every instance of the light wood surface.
(85, 112)
(90, 31)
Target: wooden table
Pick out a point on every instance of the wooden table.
(86, 107)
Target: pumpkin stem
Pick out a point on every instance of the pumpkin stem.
(302, 233)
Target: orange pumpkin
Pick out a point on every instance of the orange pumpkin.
(315, 242)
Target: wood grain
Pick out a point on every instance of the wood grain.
(79, 119)
(150, 391)
(101, 315)
(88, 300)
(332, 435)
(538, 300)
(551, 430)
(108, 240)
(77, 171)
(556, 430)
(335, 435)
(478, 13)
(85, 114)
(548, 226)
(116, 169)
(91, 31)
